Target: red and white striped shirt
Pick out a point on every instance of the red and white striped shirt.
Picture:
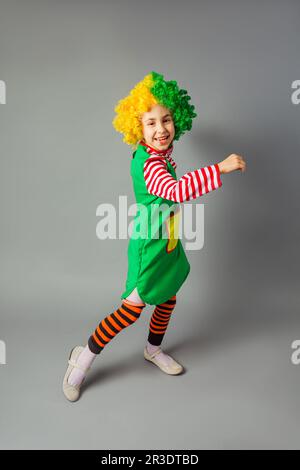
(194, 184)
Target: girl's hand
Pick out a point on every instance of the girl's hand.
(232, 163)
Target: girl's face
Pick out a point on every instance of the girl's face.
(158, 127)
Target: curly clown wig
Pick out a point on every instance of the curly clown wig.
(152, 90)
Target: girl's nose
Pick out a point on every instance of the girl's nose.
(160, 127)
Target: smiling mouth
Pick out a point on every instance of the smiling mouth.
(163, 139)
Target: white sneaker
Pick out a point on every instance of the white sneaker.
(72, 392)
(173, 369)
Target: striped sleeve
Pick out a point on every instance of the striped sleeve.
(192, 185)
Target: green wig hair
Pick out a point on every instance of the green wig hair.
(152, 90)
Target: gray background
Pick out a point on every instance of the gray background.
(66, 64)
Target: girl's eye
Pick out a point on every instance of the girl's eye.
(151, 123)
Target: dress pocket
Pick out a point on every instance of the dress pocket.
(172, 227)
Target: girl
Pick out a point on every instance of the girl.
(151, 117)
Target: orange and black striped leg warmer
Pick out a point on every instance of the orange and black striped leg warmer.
(111, 325)
(159, 321)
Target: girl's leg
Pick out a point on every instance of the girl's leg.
(108, 328)
(111, 325)
(158, 325)
(159, 321)
(134, 297)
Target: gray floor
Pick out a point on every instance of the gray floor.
(239, 389)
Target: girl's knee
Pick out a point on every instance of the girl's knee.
(134, 298)
(137, 304)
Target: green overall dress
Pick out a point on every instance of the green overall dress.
(157, 263)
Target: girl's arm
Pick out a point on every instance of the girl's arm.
(190, 186)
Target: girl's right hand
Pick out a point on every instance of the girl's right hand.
(232, 163)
